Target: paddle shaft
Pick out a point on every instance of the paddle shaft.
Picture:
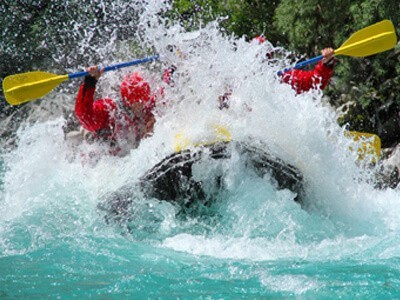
(117, 66)
(28, 86)
(380, 36)
(302, 64)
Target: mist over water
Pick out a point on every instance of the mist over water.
(54, 241)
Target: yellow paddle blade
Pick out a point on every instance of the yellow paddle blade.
(25, 87)
(370, 40)
(181, 142)
(370, 146)
(218, 134)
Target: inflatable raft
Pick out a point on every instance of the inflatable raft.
(173, 180)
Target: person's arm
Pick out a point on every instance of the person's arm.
(168, 75)
(223, 100)
(303, 81)
(93, 115)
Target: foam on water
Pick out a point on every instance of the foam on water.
(47, 199)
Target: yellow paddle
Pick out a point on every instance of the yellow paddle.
(219, 134)
(370, 147)
(367, 41)
(24, 87)
(368, 150)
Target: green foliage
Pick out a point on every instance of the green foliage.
(377, 76)
(40, 32)
(195, 13)
(311, 25)
(56, 34)
(240, 17)
(252, 18)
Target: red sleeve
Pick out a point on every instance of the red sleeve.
(93, 115)
(303, 81)
(168, 75)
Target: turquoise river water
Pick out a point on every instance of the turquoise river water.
(254, 242)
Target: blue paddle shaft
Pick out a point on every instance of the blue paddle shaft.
(302, 64)
(117, 66)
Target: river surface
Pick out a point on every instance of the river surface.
(254, 242)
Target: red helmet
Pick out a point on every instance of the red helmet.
(135, 89)
(259, 39)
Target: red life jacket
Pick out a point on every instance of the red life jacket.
(302, 81)
(107, 122)
(168, 75)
